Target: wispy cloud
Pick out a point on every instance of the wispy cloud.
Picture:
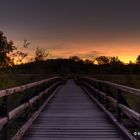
(85, 55)
(91, 54)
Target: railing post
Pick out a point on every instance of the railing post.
(118, 101)
(106, 100)
(95, 85)
(5, 129)
(101, 89)
(27, 101)
(100, 86)
(37, 104)
(97, 94)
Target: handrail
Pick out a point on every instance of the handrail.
(104, 97)
(118, 86)
(13, 90)
(44, 90)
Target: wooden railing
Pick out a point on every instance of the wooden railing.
(33, 98)
(110, 96)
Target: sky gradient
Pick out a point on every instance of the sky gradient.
(87, 28)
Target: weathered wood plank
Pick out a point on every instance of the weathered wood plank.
(14, 113)
(133, 115)
(72, 115)
(126, 132)
(3, 120)
(121, 87)
(10, 91)
(129, 112)
(18, 110)
(24, 128)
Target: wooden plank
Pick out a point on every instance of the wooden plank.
(72, 115)
(18, 110)
(129, 112)
(10, 91)
(109, 98)
(135, 116)
(3, 120)
(121, 87)
(123, 129)
(112, 100)
(21, 132)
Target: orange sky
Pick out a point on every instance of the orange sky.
(126, 51)
(86, 28)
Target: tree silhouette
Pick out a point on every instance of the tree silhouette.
(6, 47)
(26, 44)
(19, 56)
(138, 60)
(102, 60)
(75, 58)
(87, 61)
(40, 54)
(115, 61)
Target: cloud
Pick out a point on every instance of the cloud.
(56, 46)
(86, 55)
(91, 54)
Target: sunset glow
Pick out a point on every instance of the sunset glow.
(125, 52)
(85, 29)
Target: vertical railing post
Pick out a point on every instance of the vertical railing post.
(97, 94)
(4, 111)
(100, 86)
(27, 101)
(106, 100)
(92, 85)
(37, 104)
(101, 89)
(95, 84)
(49, 84)
(118, 101)
(44, 96)
(87, 81)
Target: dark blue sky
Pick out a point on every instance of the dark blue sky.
(89, 26)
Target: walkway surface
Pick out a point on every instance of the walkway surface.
(72, 115)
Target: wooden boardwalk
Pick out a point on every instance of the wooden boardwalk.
(72, 115)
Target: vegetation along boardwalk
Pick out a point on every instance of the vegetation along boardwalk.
(72, 115)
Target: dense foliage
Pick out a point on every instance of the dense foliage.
(6, 47)
(76, 66)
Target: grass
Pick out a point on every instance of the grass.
(12, 80)
(128, 80)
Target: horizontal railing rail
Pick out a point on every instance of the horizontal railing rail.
(118, 86)
(115, 104)
(14, 90)
(42, 93)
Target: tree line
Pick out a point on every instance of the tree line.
(10, 56)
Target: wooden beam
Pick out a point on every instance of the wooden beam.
(129, 112)
(117, 86)
(17, 111)
(122, 128)
(26, 126)
(11, 91)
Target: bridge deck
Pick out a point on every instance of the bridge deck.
(72, 115)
